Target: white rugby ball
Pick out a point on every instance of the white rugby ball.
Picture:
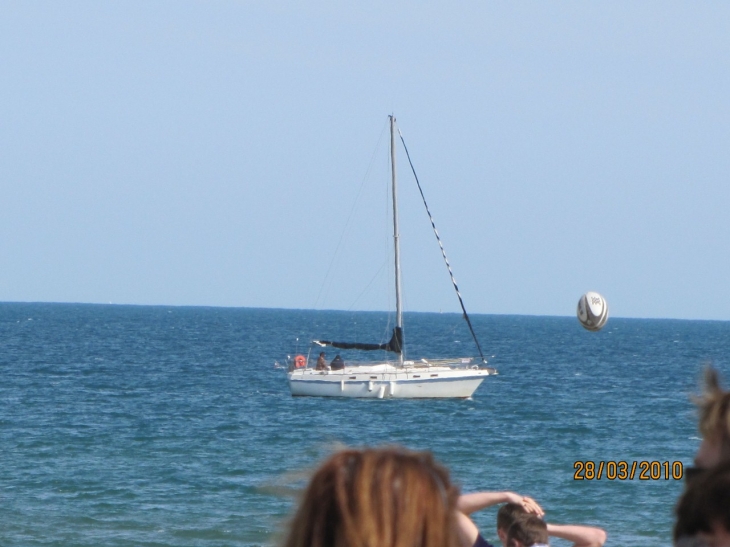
(592, 311)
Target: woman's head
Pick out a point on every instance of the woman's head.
(388, 497)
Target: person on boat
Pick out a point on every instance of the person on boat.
(337, 363)
(321, 362)
(376, 497)
(516, 506)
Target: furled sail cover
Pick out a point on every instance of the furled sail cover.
(395, 344)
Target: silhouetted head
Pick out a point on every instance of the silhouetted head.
(703, 511)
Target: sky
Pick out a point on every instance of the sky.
(236, 154)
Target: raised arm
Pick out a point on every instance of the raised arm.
(581, 536)
(470, 503)
(466, 530)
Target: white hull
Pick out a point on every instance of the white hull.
(385, 381)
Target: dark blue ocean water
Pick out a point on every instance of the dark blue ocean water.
(127, 426)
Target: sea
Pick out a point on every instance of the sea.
(174, 426)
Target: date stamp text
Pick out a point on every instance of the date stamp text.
(624, 470)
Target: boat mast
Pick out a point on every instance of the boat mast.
(396, 236)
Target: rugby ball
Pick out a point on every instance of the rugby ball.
(592, 311)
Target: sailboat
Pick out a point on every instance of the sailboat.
(398, 378)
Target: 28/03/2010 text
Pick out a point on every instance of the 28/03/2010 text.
(624, 470)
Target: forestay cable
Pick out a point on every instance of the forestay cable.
(443, 251)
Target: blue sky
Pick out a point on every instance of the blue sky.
(235, 154)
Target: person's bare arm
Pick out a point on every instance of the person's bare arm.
(466, 530)
(470, 503)
(581, 536)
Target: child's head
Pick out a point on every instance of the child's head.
(527, 531)
(506, 516)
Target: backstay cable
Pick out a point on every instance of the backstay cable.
(443, 252)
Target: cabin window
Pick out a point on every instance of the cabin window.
(434, 375)
(416, 375)
(352, 378)
(373, 377)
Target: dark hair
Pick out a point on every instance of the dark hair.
(528, 530)
(387, 497)
(705, 503)
(507, 515)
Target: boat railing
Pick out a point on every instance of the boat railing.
(454, 362)
(421, 364)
